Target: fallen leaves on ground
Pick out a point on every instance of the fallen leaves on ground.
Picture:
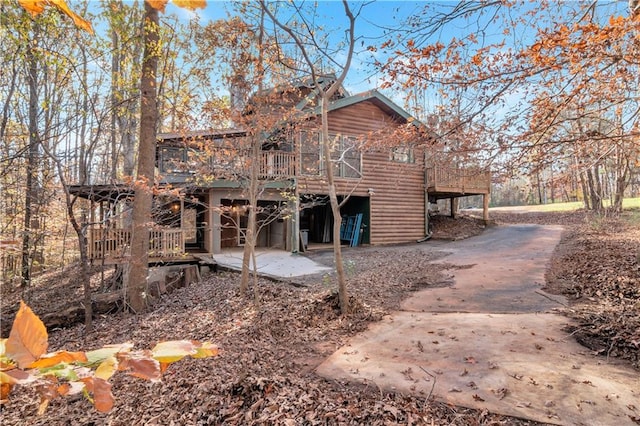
(264, 373)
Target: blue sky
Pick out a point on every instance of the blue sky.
(370, 29)
(377, 18)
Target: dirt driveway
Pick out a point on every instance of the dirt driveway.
(492, 340)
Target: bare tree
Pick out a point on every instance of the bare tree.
(307, 43)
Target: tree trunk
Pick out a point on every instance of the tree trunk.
(622, 180)
(335, 209)
(31, 190)
(137, 284)
(585, 192)
(596, 203)
(115, 70)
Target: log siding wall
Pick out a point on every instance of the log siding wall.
(397, 205)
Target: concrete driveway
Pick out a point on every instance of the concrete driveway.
(492, 340)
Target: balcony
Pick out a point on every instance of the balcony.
(444, 182)
(227, 164)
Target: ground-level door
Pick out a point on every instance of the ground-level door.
(194, 225)
(271, 223)
(316, 219)
(188, 214)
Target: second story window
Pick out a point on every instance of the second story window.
(173, 160)
(310, 153)
(346, 158)
(402, 154)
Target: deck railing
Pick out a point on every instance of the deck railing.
(277, 164)
(461, 179)
(116, 243)
(272, 164)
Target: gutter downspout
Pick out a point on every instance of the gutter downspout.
(295, 219)
(428, 231)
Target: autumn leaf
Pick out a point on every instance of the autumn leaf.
(71, 388)
(141, 364)
(206, 350)
(77, 20)
(28, 338)
(106, 369)
(185, 4)
(98, 356)
(191, 4)
(101, 391)
(6, 384)
(59, 357)
(172, 351)
(158, 4)
(47, 391)
(36, 7)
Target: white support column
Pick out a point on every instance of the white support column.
(216, 222)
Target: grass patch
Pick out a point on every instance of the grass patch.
(627, 203)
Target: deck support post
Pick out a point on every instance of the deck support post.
(485, 208)
(453, 205)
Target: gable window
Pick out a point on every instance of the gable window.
(402, 154)
(346, 156)
(346, 159)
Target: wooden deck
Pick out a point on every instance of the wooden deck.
(457, 182)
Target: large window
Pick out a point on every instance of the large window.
(346, 159)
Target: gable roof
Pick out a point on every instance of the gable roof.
(343, 101)
(380, 100)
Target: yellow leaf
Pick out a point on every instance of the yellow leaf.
(191, 4)
(59, 357)
(157, 4)
(43, 406)
(28, 338)
(106, 369)
(206, 350)
(99, 355)
(172, 351)
(5, 378)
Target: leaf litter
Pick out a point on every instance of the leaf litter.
(264, 374)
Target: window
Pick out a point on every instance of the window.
(310, 153)
(402, 154)
(346, 159)
(173, 160)
(351, 165)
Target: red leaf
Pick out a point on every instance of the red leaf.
(141, 364)
(101, 390)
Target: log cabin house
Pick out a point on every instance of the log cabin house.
(387, 190)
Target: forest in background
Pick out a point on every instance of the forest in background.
(553, 110)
